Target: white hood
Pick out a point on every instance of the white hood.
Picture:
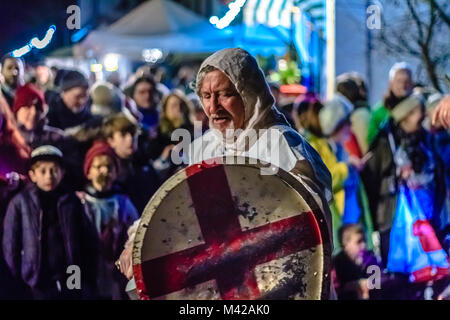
(248, 79)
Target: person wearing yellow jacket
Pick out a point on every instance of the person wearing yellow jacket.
(345, 208)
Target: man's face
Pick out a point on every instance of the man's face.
(144, 95)
(75, 99)
(46, 175)
(102, 173)
(11, 71)
(402, 84)
(28, 117)
(354, 246)
(123, 143)
(223, 104)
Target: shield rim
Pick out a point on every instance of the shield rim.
(286, 177)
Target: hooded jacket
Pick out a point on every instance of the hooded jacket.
(279, 144)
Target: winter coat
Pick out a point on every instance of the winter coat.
(8, 188)
(42, 135)
(378, 118)
(61, 117)
(346, 188)
(380, 173)
(22, 232)
(345, 271)
(441, 141)
(138, 180)
(110, 214)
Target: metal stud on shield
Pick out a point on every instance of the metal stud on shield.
(218, 231)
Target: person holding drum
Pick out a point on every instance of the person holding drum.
(245, 122)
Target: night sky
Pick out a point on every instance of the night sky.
(21, 20)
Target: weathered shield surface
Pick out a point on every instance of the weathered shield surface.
(216, 231)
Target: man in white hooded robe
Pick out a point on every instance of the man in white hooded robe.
(276, 143)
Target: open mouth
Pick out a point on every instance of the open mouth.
(220, 119)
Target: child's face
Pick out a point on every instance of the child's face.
(123, 143)
(355, 246)
(102, 173)
(46, 175)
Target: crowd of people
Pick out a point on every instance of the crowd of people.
(79, 161)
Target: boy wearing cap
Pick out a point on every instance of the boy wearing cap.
(110, 213)
(45, 232)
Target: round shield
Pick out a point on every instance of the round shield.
(222, 231)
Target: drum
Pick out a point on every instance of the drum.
(225, 231)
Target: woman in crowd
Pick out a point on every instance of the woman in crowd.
(176, 110)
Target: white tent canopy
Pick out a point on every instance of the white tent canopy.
(155, 18)
(159, 24)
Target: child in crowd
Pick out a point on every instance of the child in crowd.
(351, 265)
(45, 232)
(136, 177)
(110, 213)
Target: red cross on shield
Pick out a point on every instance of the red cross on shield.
(216, 231)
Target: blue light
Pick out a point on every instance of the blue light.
(22, 51)
(35, 42)
(234, 9)
(40, 44)
(77, 36)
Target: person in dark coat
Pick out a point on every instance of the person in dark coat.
(70, 110)
(45, 232)
(351, 264)
(176, 110)
(144, 92)
(402, 151)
